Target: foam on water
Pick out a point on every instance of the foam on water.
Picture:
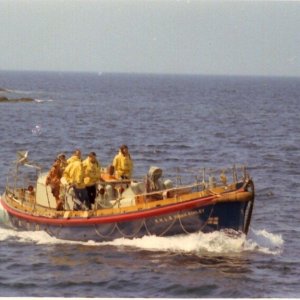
(37, 130)
(215, 242)
(43, 100)
(37, 237)
(264, 242)
(196, 243)
(192, 243)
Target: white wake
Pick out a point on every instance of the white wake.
(197, 243)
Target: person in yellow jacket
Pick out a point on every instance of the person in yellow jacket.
(92, 175)
(76, 154)
(74, 175)
(123, 163)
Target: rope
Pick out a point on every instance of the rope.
(118, 201)
(47, 196)
(164, 232)
(129, 236)
(53, 232)
(145, 225)
(200, 229)
(102, 235)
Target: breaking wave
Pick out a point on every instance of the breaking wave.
(43, 100)
(259, 241)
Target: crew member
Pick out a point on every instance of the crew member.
(123, 163)
(108, 175)
(74, 175)
(53, 179)
(75, 156)
(92, 175)
(63, 161)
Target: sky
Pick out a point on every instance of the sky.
(211, 37)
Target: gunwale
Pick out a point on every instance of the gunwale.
(49, 216)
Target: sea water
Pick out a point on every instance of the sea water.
(190, 122)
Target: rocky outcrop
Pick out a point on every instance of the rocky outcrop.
(5, 99)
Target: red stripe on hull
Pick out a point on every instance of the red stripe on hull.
(113, 218)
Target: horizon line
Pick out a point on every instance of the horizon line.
(99, 73)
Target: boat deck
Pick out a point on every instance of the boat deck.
(147, 201)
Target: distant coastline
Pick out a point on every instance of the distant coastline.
(5, 99)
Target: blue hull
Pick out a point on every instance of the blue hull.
(221, 216)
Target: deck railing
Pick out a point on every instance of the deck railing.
(23, 178)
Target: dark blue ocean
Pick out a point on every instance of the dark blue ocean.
(169, 121)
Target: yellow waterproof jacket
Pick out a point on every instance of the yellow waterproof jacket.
(123, 165)
(92, 172)
(72, 159)
(74, 174)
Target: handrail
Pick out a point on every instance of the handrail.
(18, 178)
(170, 189)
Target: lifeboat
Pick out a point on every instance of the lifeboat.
(130, 208)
